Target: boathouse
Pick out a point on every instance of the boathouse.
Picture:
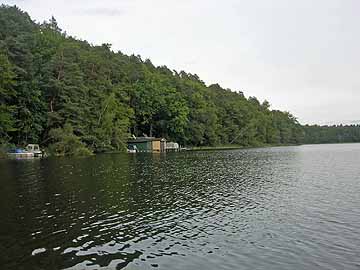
(147, 144)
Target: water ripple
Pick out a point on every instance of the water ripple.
(273, 208)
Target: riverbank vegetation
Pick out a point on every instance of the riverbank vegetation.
(331, 134)
(77, 98)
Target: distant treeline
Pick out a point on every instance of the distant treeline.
(331, 134)
(76, 98)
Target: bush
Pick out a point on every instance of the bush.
(2, 153)
(66, 143)
(4, 148)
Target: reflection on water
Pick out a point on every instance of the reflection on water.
(274, 208)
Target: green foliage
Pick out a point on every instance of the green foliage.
(2, 152)
(59, 91)
(66, 143)
(4, 149)
(7, 96)
(112, 125)
(331, 134)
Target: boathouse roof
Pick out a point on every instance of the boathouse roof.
(145, 139)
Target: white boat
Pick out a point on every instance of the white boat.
(31, 151)
(132, 149)
(34, 149)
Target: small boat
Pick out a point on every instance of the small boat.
(132, 149)
(35, 149)
(31, 151)
(20, 153)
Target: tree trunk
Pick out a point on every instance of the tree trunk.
(151, 130)
(51, 105)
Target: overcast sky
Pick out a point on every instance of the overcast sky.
(302, 56)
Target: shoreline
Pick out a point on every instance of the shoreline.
(235, 147)
(4, 155)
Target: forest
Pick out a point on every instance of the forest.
(76, 98)
(331, 134)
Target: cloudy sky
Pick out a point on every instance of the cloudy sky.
(302, 56)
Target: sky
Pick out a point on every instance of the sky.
(302, 56)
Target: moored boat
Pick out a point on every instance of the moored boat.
(35, 149)
(20, 153)
(31, 151)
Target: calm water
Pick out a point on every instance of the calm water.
(274, 208)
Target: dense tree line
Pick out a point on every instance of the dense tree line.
(74, 97)
(331, 134)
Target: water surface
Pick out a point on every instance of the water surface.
(272, 208)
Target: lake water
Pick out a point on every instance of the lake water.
(272, 208)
